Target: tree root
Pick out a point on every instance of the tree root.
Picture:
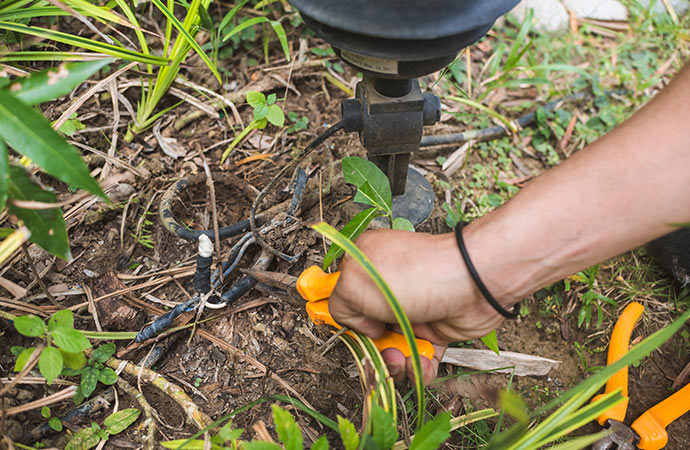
(200, 419)
(148, 439)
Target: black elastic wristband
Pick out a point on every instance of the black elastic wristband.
(478, 281)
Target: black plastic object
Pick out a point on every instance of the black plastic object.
(400, 38)
(673, 253)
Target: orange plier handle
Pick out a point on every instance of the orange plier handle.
(618, 347)
(315, 286)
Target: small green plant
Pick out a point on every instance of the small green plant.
(115, 423)
(144, 235)
(265, 111)
(93, 372)
(63, 346)
(591, 300)
(299, 123)
(63, 352)
(53, 422)
(373, 189)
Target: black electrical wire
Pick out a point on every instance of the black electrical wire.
(318, 140)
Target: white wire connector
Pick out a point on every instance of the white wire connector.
(205, 246)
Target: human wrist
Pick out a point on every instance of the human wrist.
(486, 256)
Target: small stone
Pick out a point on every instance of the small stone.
(679, 6)
(13, 429)
(121, 192)
(598, 9)
(550, 16)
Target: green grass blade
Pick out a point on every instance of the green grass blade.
(515, 50)
(91, 10)
(84, 43)
(193, 11)
(229, 16)
(351, 249)
(282, 37)
(137, 30)
(50, 84)
(243, 26)
(30, 13)
(583, 416)
(50, 56)
(580, 442)
(28, 133)
(500, 117)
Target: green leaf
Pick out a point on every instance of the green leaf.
(55, 423)
(27, 132)
(23, 358)
(359, 171)
(260, 124)
(70, 340)
(84, 439)
(47, 226)
(491, 341)
(4, 174)
(103, 353)
(50, 84)
(275, 115)
(30, 326)
(72, 361)
(320, 444)
(271, 99)
(384, 430)
(366, 194)
(260, 112)
(63, 318)
(432, 434)
(286, 427)
(107, 376)
(255, 99)
(348, 434)
(45, 412)
(400, 223)
(259, 445)
(16, 350)
(50, 363)
(352, 230)
(119, 421)
(89, 380)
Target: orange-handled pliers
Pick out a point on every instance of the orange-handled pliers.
(648, 432)
(315, 286)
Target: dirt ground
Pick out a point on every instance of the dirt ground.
(277, 334)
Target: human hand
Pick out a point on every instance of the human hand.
(429, 279)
